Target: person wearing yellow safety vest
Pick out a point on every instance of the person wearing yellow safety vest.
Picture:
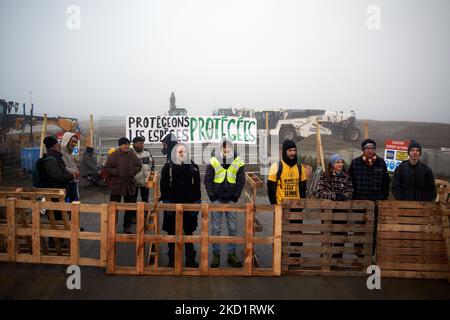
(287, 178)
(224, 181)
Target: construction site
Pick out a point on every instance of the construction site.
(318, 130)
(297, 260)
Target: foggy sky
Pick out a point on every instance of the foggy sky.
(129, 56)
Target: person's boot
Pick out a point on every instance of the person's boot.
(190, 259)
(215, 262)
(233, 260)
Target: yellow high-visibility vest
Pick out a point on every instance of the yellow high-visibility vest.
(230, 173)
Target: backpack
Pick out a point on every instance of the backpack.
(37, 176)
(280, 170)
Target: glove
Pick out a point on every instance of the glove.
(340, 197)
(213, 198)
(235, 199)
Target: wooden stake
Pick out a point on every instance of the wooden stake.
(204, 244)
(43, 134)
(75, 233)
(36, 226)
(319, 146)
(112, 221)
(11, 216)
(366, 130)
(140, 243)
(104, 235)
(276, 263)
(249, 226)
(179, 243)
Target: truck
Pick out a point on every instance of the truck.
(296, 124)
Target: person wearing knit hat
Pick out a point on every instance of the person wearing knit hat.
(122, 166)
(335, 183)
(49, 142)
(287, 178)
(413, 180)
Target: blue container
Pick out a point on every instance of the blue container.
(28, 157)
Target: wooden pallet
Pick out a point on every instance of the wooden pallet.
(410, 241)
(324, 237)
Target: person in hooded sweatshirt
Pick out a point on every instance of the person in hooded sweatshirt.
(180, 183)
(287, 178)
(68, 143)
(224, 181)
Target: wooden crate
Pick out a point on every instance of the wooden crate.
(445, 212)
(410, 241)
(324, 237)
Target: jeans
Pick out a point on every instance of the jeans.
(216, 226)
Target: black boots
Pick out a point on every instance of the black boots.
(190, 256)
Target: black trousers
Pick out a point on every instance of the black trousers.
(128, 214)
(144, 194)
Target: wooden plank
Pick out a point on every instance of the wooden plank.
(89, 262)
(74, 233)
(140, 244)
(249, 229)
(204, 245)
(394, 235)
(411, 251)
(36, 227)
(343, 273)
(358, 262)
(11, 239)
(329, 204)
(179, 235)
(432, 228)
(91, 208)
(412, 266)
(263, 240)
(89, 236)
(410, 220)
(276, 258)
(227, 239)
(329, 227)
(227, 272)
(55, 233)
(331, 239)
(366, 250)
(425, 244)
(104, 235)
(55, 260)
(400, 258)
(112, 223)
(318, 215)
(414, 274)
(43, 134)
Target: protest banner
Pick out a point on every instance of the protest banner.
(193, 129)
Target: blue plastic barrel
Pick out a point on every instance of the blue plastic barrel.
(28, 157)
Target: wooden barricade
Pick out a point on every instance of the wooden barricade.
(141, 239)
(36, 230)
(410, 242)
(324, 237)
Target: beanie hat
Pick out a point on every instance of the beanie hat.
(368, 143)
(138, 139)
(335, 157)
(50, 142)
(123, 140)
(414, 144)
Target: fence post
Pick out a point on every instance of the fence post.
(277, 222)
(179, 236)
(204, 250)
(75, 233)
(140, 242)
(104, 235)
(11, 216)
(112, 221)
(249, 227)
(36, 227)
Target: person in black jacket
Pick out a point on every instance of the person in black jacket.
(53, 173)
(180, 183)
(413, 180)
(224, 181)
(369, 174)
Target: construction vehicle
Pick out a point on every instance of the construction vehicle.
(296, 124)
(11, 119)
